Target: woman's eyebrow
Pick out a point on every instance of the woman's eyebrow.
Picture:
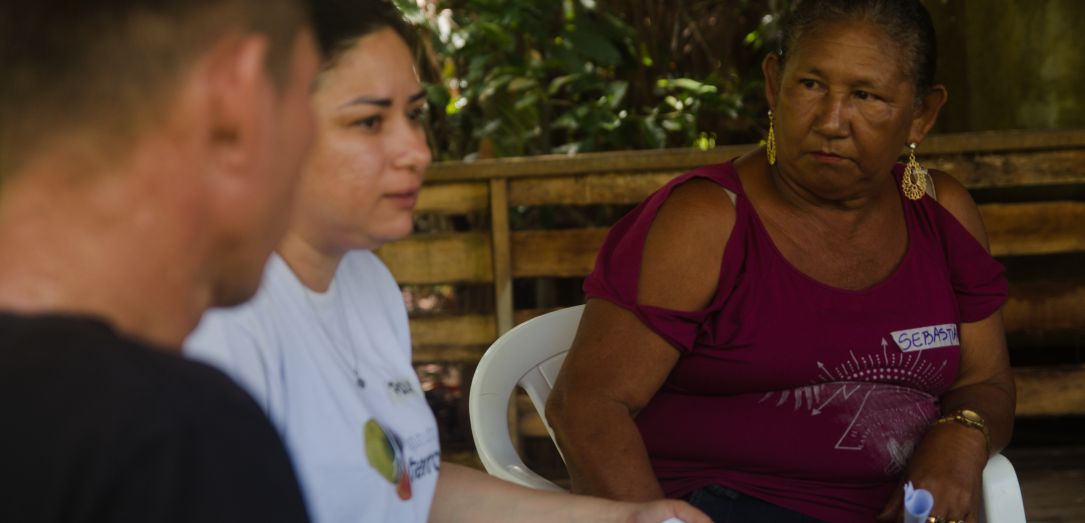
(382, 102)
(369, 100)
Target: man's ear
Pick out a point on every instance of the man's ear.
(239, 96)
(927, 113)
(770, 68)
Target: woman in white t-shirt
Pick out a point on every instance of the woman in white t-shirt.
(324, 346)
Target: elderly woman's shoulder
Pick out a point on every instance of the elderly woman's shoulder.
(696, 204)
(954, 197)
(684, 247)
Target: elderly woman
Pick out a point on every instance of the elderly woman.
(790, 335)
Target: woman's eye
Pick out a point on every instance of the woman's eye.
(371, 123)
(418, 114)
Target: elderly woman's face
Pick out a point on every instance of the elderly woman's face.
(362, 179)
(845, 104)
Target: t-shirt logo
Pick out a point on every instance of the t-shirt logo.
(384, 451)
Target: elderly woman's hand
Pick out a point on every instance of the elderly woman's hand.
(949, 463)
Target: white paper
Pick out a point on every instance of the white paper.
(917, 504)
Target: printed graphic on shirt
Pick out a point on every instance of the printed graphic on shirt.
(394, 458)
(384, 450)
(879, 399)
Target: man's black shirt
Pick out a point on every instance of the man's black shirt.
(98, 427)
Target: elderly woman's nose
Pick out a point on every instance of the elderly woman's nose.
(832, 116)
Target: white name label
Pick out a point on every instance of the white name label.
(929, 337)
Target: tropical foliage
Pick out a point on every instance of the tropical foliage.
(524, 77)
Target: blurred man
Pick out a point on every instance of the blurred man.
(148, 152)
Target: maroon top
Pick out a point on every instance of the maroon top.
(787, 389)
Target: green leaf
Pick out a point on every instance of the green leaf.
(616, 93)
(565, 121)
(522, 83)
(525, 102)
(557, 83)
(687, 84)
(591, 44)
(652, 135)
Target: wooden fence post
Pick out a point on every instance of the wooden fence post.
(500, 238)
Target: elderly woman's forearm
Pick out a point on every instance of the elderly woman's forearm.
(603, 450)
(994, 400)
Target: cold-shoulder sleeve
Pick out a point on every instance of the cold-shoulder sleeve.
(978, 279)
(618, 265)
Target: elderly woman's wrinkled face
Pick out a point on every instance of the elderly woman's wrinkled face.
(845, 103)
(361, 182)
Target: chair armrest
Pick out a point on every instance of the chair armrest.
(1002, 501)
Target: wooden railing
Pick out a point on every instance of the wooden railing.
(1030, 186)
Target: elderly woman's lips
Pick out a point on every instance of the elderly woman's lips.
(828, 157)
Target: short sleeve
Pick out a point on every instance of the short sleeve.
(979, 280)
(618, 264)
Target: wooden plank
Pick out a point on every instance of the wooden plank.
(439, 258)
(502, 257)
(564, 165)
(1050, 391)
(1035, 228)
(678, 160)
(587, 190)
(564, 253)
(975, 171)
(1014, 229)
(447, 353)
(522, 315)
(1052, 481)
(1013, 170)
(1044, 306)
(531, 423)
(451, 331)
(453, 198)
(989, 141)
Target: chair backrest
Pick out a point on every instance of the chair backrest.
(528, 356)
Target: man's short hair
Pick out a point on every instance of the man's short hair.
(108, 68)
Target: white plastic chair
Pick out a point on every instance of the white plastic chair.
(530, 356)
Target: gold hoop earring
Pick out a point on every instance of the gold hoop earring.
(770, 143)
(914, 181)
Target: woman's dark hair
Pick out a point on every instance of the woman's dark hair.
(906, 22)
(340, 23)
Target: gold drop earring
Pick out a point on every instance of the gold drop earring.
(914, 181)
(770, 143)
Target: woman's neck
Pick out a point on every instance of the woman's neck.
(314, 265)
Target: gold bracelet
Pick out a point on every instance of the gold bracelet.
(968, 418)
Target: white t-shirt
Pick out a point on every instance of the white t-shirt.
(362, 453)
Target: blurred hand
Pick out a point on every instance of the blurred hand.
(661, 510)
(949, 463)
